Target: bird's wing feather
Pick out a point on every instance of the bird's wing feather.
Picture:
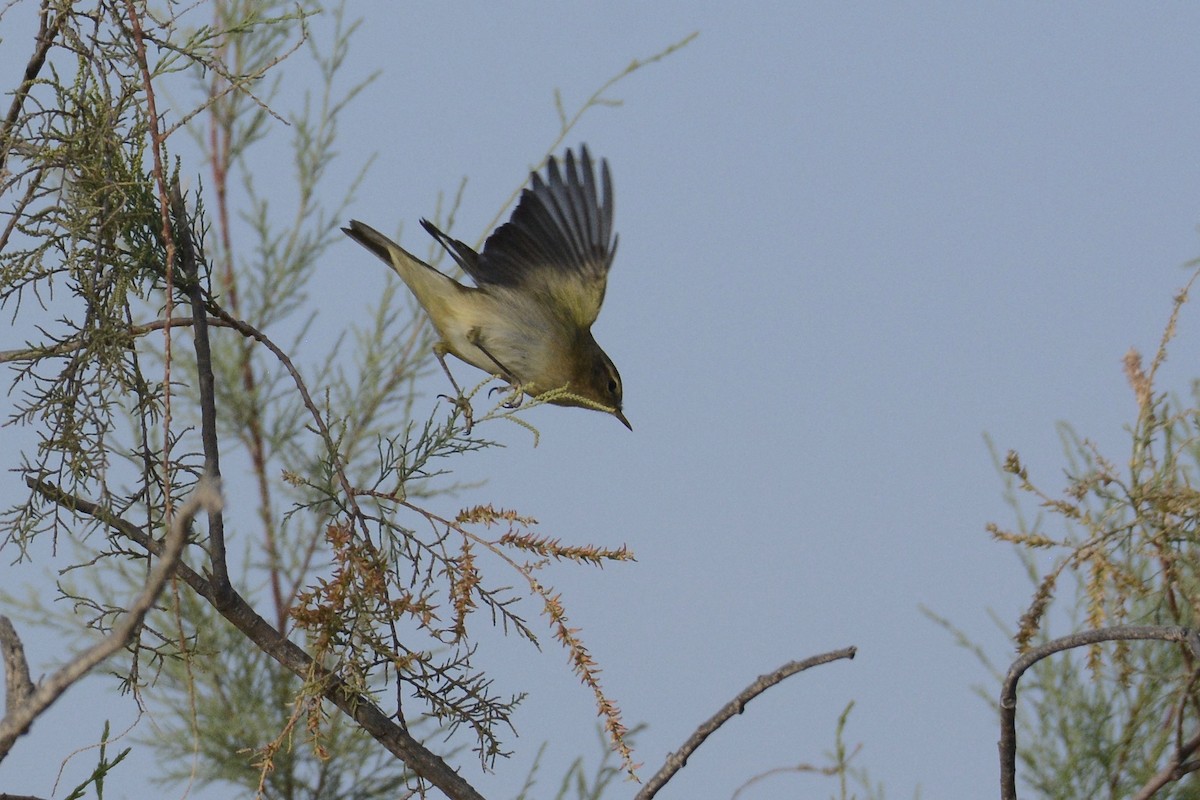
(559, 240)
(461, 252)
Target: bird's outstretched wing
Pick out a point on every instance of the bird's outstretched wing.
(559, 240)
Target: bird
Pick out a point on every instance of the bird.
(539, 281)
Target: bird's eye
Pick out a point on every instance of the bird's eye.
(612, 386)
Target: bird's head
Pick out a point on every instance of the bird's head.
(594, 379)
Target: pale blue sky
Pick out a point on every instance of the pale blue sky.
(853, 239)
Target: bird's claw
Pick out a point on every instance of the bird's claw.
(515, 400)
(463, 405)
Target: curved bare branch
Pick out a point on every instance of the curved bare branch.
(1008, 694)
(678, 760)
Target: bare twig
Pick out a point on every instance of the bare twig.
(566, 125)
(358, 707)
(77, 342)
(1008, 694)
(678, 760)
(1173, 771)
(240, 83)
(322, 428)
(47, 30)
(157, 139)
(221, 137)
(812, 769)
(16, 722)
(190, 264)
(17, 685)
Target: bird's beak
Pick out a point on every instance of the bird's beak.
(617, 413)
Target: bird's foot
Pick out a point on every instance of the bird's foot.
(463, 406)
(515, 398)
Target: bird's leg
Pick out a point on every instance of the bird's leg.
(462, 403)
(475, 337)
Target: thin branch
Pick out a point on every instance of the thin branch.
(398, 741)
(221, 135)
(678, 760)
(336, 461)
(1175, 770)
(17, 685)
(18, 721)
(190, 264)
(240, 83)
(160, 180)
(829, 771)
(77, 342)
(1008, 694)
(567, 125)
(45, 40)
